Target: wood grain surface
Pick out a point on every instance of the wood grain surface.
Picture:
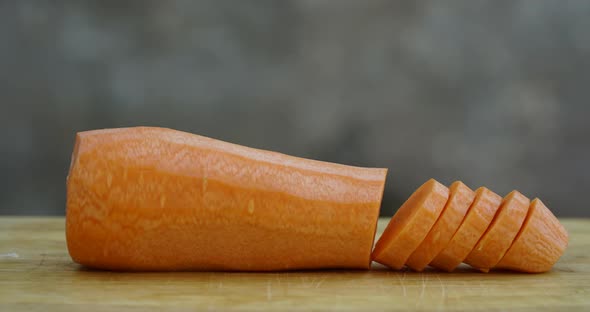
(36, 273)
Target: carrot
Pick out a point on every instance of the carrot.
(160, 199)
(460, 200)
(500, 234)
(410, 224)
(476, 222)
(541, 241)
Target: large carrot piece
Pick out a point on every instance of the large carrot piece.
(460, 200)
(159, 199)
(541, 241)
(478, 218)
(499, 236)
(410, 224)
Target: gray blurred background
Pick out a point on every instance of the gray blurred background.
(494, 93)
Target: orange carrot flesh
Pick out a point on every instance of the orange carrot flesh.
(477, 220)
(410, 224)
(540, 243)
(159, 199)
(500, 234)
(460, 200)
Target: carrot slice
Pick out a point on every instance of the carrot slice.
(478, 218)
(541, 241)
(160, 199)
(499, 236)
(410, 224)
(460, 200)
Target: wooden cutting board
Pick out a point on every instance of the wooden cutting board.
(36, 273)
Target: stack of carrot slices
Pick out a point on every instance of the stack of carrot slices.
(443, 227)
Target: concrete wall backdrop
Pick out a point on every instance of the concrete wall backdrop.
(494, 93)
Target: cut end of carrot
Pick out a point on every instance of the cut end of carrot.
(540, 243)
(410, 224)
(460, 199)
(74, 153)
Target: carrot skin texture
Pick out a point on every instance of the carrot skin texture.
(155, 199)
